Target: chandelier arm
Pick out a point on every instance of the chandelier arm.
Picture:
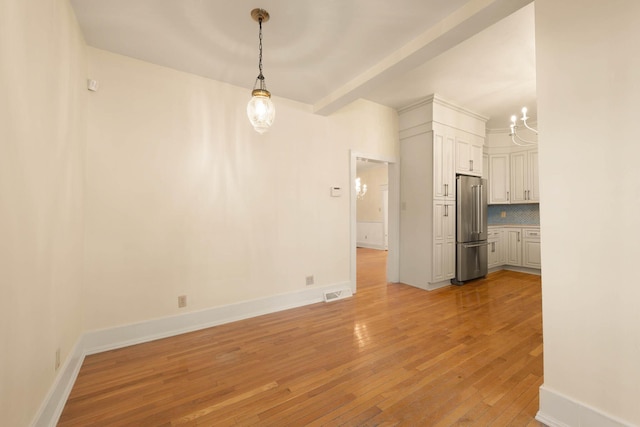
(523, 142)
(528, 127)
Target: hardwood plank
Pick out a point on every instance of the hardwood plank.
(391, 355)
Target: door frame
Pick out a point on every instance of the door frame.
(393, 254)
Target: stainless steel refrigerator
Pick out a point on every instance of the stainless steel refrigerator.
(471, 228)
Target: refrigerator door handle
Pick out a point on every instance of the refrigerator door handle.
(475, 245)
(480, 218)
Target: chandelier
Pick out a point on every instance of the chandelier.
(361, 189)
(517, 139)
(260, 109)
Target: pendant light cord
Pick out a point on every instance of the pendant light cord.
(260, 76)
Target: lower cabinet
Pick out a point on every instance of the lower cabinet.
(514, 246)
(496, 254)
(531, 248)
(444, 241)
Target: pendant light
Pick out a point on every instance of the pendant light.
(260, 109)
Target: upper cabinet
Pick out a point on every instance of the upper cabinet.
(469, 155)
(524, 177)
(513, 177)
(444, 176)
(499, 179)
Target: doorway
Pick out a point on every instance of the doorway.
(375, 214)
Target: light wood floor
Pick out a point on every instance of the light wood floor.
(391, 355)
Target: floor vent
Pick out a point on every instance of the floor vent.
(337, 294)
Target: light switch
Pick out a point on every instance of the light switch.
(336, 191)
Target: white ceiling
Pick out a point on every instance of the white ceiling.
(476, 53)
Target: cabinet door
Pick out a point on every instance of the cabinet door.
(443, 263)
(533, 187)
(462, 155)
(444, 175)
(499, 178)
(496, 252)
(449, 168)
(449, 261)
(531, 247)
(531, 253)
(444, 249)
(485, 167)
(519, 177)
(492, 254)
(514, 247)
(475, 157)
(501, 245)
(437, 266)
(468, 156)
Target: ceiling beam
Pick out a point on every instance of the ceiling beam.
(467, 21)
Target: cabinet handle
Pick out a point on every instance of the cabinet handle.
(445, 210)
(493, 246)
(528, 194)
(518, 235)
(507, 196)
(471, 165)
(446, 190)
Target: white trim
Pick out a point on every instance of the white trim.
(122, 336)
(53, 404)
(437, 99)
(558, 410)
(370, 246)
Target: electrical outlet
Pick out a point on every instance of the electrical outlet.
(182, 301)
(57, 359)
(503, 214)
(309, 280)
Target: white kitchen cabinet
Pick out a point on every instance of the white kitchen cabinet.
(429, 130)
(499, 178)
(534, 187)
(469, 155)
(524, 177)
(444, 239)
(496, 253)
(514, 246)
(531, 248)
(485, 166)
(444, 175)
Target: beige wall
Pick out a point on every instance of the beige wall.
(588, 88)
(113, 203)
(42, 119)
(184, 197)
(369, 208)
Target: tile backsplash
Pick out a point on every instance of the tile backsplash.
(528, 214)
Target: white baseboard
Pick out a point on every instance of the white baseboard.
(527, 270)
(558, 410)
(370, 246)
(122, 336)
(53, 404)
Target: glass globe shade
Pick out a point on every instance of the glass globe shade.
(261, 111)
